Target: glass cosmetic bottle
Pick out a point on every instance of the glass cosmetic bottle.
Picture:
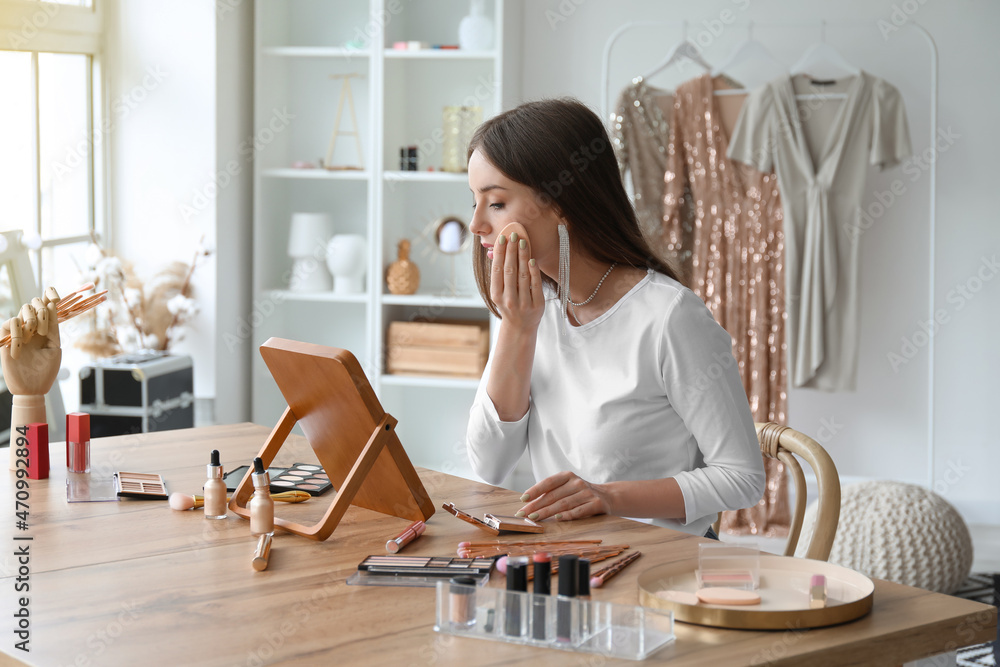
(261, 505)
(215, 490)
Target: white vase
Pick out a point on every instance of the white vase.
(475, 32)
(347, 259)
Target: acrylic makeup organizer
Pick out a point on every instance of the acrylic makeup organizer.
(552, 621)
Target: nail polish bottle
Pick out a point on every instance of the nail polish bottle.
(215, 490)
(261, 505)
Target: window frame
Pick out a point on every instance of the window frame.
(36, 26)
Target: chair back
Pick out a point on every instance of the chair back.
(784, 443)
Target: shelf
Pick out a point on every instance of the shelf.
(427, 176)
(440, 54)
(429, 382)
(322, 174)
(322, 297)
(430, 299)
(314, 52)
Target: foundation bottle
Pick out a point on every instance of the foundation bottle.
(215, 490)
(261, 505)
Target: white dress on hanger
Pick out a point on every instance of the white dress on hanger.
(819, 150)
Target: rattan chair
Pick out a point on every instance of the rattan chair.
(781, 442)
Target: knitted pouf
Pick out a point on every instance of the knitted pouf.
(898, 532)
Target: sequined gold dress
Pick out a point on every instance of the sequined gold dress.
(639, 133)
(731, 254)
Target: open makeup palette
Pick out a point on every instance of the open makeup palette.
(308, 477)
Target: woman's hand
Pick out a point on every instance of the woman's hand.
(565, 496)
(516, 284)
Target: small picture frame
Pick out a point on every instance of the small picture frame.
(495, 524)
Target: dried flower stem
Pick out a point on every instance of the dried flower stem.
(184, 289)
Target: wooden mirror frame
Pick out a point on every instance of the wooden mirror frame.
(355, 440)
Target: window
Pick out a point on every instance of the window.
(51, 146)
(50, 164)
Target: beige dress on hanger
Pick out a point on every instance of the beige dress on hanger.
(820, 150)
(639, 134)
(732, 256)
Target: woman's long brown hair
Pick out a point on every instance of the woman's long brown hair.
(560, 149)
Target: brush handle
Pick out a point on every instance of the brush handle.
(284, 497)
(604, 574)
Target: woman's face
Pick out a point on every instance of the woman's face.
(500, 201)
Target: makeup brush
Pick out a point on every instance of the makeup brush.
(72, 305)
(183, 501)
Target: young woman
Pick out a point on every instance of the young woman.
(611, 374)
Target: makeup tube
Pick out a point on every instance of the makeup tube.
(567, 589)
(817, 591)
(542, 588)
(583, 594)
(517, 580)
(262, 553)
(78, 442)
(412, 532)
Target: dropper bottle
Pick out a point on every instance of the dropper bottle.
(215, 490)
(261, 505)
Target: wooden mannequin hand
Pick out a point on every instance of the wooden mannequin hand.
(31, 362)
(564, 496)
(516, 285)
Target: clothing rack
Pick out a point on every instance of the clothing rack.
(932, 186)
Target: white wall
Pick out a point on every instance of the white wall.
(166, 152)
(234, 209)
(161, 67)
(880, 431)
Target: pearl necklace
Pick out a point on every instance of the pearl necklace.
(590, 298)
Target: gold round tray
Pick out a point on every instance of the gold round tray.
(784, 595)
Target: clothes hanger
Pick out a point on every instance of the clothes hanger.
(751, 64)
(684, 50)
(822, 61)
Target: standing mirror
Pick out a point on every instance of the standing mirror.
(451, 235)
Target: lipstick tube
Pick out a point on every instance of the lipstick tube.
(412, 532)
(542, 567)
(78, 442)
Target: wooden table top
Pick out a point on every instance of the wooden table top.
(133, 582)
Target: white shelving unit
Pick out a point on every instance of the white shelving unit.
(399, 97)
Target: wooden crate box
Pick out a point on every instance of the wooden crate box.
(448, 348)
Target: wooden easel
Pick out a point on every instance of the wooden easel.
(345, 97)
(354, 439)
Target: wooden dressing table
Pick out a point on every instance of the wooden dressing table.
(134, 582)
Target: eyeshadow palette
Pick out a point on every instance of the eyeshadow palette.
(308, 477)
(419, 570)
(148, 486)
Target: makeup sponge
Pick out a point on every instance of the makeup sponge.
(727, 596)
(680, 597)
(522, 233)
